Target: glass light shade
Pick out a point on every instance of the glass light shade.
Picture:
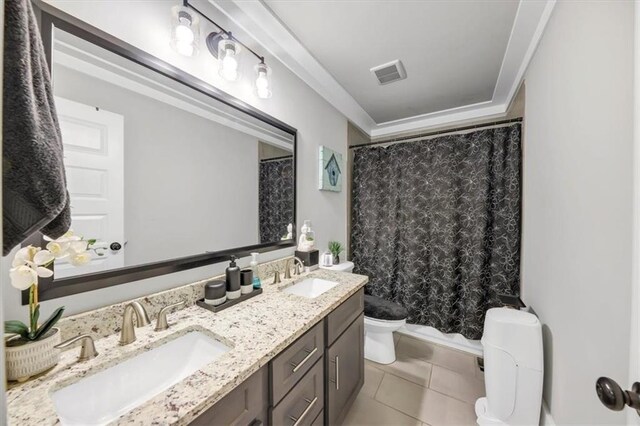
(263, 81)
(185, 31)
(228, 65)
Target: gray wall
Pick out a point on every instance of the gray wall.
(191, 185)
(577, 205)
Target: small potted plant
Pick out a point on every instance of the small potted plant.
(31, 349)
(335, 248)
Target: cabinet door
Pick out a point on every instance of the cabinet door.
(246, 405)
(345, 371)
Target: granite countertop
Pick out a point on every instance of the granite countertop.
(256, 330)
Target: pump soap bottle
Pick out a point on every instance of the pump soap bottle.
(233, 280)
(254, 267)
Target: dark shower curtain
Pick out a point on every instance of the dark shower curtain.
(275, 194)
(436, 225)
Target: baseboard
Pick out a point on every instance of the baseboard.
(545, 416)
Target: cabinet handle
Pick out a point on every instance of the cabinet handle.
(305, 412)
(337, 380)
(296, 367)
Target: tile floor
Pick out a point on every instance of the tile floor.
(428, 384)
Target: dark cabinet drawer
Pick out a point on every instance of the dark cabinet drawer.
(302, 405)
(247, 404)
(345, 371)
(292, 363)
(338, 320)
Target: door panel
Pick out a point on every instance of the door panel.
(94, 163)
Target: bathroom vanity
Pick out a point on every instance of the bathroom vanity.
(285, 359)
(312, 382)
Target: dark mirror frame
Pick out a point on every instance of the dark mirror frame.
(49, 18)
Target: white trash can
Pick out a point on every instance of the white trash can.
(513, 368)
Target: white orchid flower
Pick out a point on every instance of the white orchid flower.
(59, 250)
(29, 264)
(23, 256)
(23, 277)
(79, 259)
(77, 247)
(42, 257)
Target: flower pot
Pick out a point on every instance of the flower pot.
(336, 259)
(26, 359)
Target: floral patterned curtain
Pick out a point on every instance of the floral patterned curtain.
(275, 193)
(436, 225)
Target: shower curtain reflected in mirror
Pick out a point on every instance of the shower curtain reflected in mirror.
(275, 191)
(436, 225)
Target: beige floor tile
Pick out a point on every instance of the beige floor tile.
(464, 387)
(366, 411)
(425, 404)
(413, 369)
(452, 359)
(372, 379)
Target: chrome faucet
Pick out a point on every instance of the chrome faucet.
(128, 334)
(161, 323)
(287, 269)
(88, 349)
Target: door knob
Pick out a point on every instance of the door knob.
(614, 398)
(115, 246)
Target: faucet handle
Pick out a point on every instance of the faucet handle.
(88, 349)
(296, 269)
(161, 323)
(276, 277)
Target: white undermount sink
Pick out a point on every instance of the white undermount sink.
(105, 396)
(311, 287)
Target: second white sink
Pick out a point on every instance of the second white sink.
(103, 397)
(311, 287)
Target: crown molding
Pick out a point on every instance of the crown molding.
(257, 20)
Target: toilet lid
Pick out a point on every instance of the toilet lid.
(375, 307)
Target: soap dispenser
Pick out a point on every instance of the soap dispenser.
(233, 280)
(254, 267)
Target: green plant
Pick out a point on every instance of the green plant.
(335, 248)
(21, 328)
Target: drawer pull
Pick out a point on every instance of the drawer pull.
(305, 412)
(337, 379)
(296, 367)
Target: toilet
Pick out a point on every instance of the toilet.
(381, 318)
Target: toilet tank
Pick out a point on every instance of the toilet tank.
(513, 365)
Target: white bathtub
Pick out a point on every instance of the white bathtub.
(452, 340)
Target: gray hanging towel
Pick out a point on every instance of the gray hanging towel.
(35, 196)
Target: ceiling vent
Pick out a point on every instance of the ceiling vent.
(389, 72)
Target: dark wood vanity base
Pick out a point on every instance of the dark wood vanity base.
(314, 381)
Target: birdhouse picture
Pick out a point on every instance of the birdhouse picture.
(330, 170)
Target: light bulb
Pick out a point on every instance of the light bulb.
(229, 68)
(184, 34)
(263, 71)
(262, 82)
(184, 31)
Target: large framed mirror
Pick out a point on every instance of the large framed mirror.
(166, 172)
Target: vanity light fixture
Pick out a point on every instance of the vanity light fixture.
(184, 31)
(263, 86)
(221, 44)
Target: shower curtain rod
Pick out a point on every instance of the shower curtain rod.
(284, 157)
(438, 132)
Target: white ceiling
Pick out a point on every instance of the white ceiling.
(452, 50)
(465, 59)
